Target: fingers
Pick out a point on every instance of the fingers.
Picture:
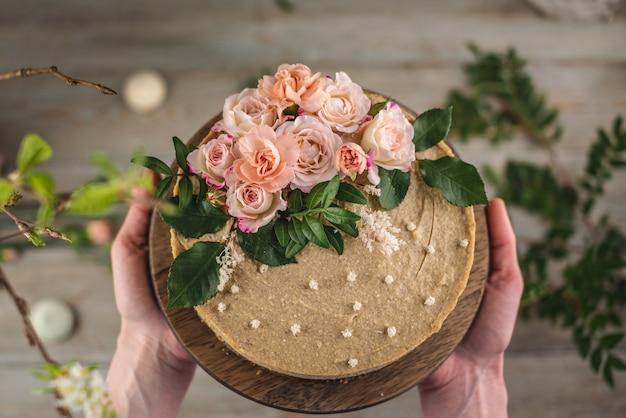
(502, 243)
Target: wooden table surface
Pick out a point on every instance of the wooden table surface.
(206, 50)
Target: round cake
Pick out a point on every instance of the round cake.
(333, 314)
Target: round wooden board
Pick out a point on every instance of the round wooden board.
(305, 395)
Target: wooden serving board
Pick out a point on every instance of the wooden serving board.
(305, 395)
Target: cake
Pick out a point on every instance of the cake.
(348, 298)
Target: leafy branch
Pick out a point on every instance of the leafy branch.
(27, 72)
(501, 102)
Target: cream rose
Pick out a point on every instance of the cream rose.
(294, 84)
(251, 204)
(350, 159)
(388, 140)
(247, 109)
(346, 105)
(317, 145)
(265, 158)
(211, 160)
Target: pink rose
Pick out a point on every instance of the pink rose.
(350, 159)
(264, 158)
(212, 159)
(247, 109)
(251, 204)
(388, 140)
(317, 145)
(346, 105)
(294, 84)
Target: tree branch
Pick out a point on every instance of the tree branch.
(27, 72)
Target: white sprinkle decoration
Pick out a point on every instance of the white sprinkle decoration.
(295, 329)
(410, 226)
(351, 277)
(353, 362)
(357, 306)
(263, 268)
(389, 279)
(255, 323)
(391, 332)
(464, 242)
(430, 249)
(221, 307)
(234, 289)
(371, 189)
(430, 301)
(313, 284)
(347, 333)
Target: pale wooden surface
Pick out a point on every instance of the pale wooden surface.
(205, 49)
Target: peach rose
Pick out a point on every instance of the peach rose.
(346, 105)
(294, 84)
(264, 158)
(212, 159)
(317, 145)
(388, 140)
(244, 110)
(251, 204)
(350, 159)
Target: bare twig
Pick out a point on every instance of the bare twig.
(27, 72)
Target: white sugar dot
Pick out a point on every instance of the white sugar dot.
(255, 323)
(353, 362)
(430, 301)
(263, 268)
(313, 284)
(221, 307)
(144, 91)
(351, 277)
(347, 333)
(234, 289)
(357, 306)
(391, 331)
(410, 226)
(430, 249)
(295, 329)
(464, 242)
(389, 279)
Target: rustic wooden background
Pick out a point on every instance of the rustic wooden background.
(206, 49)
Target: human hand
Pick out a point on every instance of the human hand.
(150, 371)
(470, 382)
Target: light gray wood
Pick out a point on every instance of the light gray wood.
(206, 48)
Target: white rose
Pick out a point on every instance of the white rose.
(317, 145)
(246, 109)
(346, 105)
(212, 160)
(251, 204)
(388, 140)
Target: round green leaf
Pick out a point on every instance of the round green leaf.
(393, 186)
(459, 182)
(263, 246)
(33, 150)
(194, 275)
(431, 127)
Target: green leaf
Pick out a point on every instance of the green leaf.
(431, 127)
(196, 219)
(33, 150)
(6, 192)
(596, 359)
(94, 198)
(185, 192)
(459, 182)
(181, 154)
(349, 193)
(607, 374)
(295, 201)
(154, 164)
(106, 165)
(334, 238)
(337, 215)
(194, 275)
(393, 186)
(609, 341)
(314, 231)
(45, 213)
(35, 239)
(263, 246)
(616, 362)
(377, 107)
(162, 187)
(295, 231)
(323, 193)
(41, 183)
(293, 248)
(349, 228)
(281, 229)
